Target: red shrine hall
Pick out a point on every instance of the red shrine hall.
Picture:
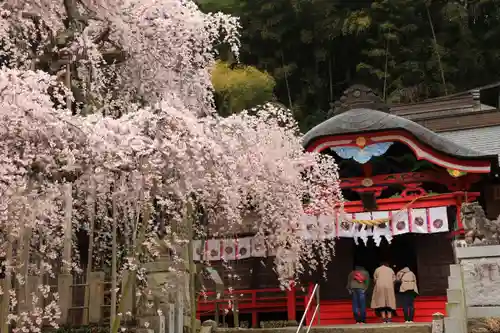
(390, 168)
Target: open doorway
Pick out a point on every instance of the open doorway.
(400, 253)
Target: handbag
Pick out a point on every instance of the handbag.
(398, 283)
(359, 277)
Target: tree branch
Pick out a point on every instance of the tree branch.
(114, 56)
(74, 18)
(103, 36)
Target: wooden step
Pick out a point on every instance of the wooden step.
(340, 312)
(362, 328)
(369, 320)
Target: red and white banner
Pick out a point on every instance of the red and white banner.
(400, 222)
(199, 251)
(229, 248)
(213, 248)
(419, 220)
(382, 230)
(308, 226)
(244, 248)
(258, 247)
(362, 232)
(327, 228)
(438, 219)
(345, 228)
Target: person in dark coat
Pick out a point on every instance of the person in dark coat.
(358, 282)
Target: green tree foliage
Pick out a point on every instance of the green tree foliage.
(404, 49)
(240, 87)
(421, 49)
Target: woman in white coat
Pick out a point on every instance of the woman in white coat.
(409, 290)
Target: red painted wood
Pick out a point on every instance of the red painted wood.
(455, 184)
(376, 189)
(331, 312)
(254, 311)
(459, 205)
(434, 156)
(367, 169)
(413, 189)
(309, 295)
(340, 312)
(291, 299)
(448, 199)
(251, 301)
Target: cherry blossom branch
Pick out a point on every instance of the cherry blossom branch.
(142, 122)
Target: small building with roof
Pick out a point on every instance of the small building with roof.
(393, 169)
(404, 172)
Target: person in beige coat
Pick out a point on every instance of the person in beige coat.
(409, 291)
(383, 297)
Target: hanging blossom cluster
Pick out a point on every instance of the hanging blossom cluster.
(107, 126)
(277, 179)
(121, 51)
(42, 148)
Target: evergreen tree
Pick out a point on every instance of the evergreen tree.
(407, 50)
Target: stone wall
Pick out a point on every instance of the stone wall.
(473, 287)
(481, 280)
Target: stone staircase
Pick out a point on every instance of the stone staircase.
(455, 302)
(368, 328)
(340, 312)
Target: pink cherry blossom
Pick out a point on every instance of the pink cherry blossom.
(112, 101)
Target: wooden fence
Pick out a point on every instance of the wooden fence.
(72, 292)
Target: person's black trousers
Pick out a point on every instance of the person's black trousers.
(408, 298)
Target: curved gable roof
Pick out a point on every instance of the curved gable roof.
(366, 120)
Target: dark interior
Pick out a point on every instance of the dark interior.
(400, 253)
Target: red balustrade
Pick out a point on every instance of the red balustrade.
(332, 312)
(253, 301)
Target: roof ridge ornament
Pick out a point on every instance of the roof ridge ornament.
(359, 96)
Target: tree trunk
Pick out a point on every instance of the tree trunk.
(114, 254)
(90, 252)
(68, 228)
(7, 285)
(192, 266)
(136, 251)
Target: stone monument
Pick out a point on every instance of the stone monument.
(167, 289)
(478, 229)
(474, 281)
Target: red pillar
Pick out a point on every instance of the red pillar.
(254, 310)
(309, 295)
(291, 301)
(459, 219)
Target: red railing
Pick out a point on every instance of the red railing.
(312, 292)
(257, 301)
(253, 301)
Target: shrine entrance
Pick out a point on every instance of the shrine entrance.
(399, 253)
(400, 182)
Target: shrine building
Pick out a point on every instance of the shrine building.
(393, 170)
